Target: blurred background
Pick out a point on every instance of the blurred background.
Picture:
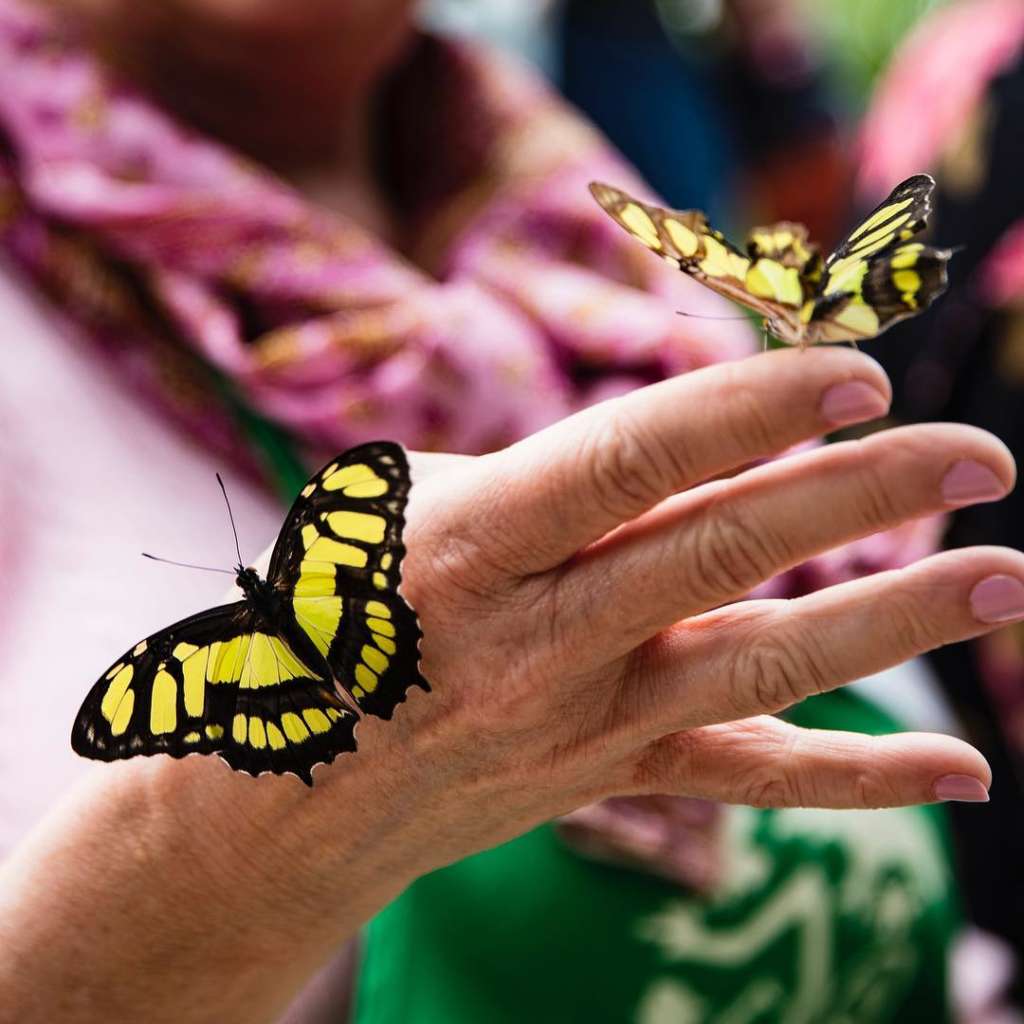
(471, 295)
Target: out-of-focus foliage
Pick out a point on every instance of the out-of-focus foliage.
(861, 36)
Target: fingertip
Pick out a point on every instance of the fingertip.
(960, 789)
(852, 401)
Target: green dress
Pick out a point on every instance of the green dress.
(831, 916)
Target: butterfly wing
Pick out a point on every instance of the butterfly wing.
(685, 239)
(338, 560)
(878, 275)
(216, 683)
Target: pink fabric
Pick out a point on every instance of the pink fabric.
(89, 478)
(322, 328)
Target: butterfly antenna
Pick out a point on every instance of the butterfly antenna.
(703, 316)
(232, 518)
(186, 565)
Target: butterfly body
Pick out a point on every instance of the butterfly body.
(877, 276)
(257, 681)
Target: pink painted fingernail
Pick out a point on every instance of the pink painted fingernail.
(966, 482)
(852, 402)
(962, 788)
(998, 599)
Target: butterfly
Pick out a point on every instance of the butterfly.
(876, 277)
(257, 681)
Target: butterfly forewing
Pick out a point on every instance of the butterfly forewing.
(900, 216)
(339, 559)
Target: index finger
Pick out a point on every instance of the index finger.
(565, 487)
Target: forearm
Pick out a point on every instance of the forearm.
(179, 891)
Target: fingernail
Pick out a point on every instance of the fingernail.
(968, 481)
(998, 599)
(964, 789)
(852, 402)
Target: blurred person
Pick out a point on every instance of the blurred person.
(724, 106)
(953, 101)
(367, 231)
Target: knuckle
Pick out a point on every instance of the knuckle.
(631, 468)
(666, 764)
(777, 783)
(776, 790)
(873, 788)
(772, 675)
(731, 553)
(751, 426)
(911, 624)
(877, 501)
(771, 779)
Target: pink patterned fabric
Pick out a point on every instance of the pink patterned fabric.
(169, 246)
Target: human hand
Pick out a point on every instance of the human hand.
(575, 592)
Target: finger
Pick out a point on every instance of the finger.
(764, 762)
(761, 657)
(716, 543)
(565, 487)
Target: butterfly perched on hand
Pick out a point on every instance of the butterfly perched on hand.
(255, 681)
(876, 277)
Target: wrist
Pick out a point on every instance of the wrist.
(313, 855)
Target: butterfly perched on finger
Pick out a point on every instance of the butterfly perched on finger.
(276, 682)
(877, 276)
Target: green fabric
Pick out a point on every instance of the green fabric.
(275, 447)
(835, 916)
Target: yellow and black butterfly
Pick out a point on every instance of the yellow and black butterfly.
(876, 277)
(255, 681)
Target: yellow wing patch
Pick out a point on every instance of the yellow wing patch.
(374, 661)
(320, 618)
(771, 280)
(355, 481)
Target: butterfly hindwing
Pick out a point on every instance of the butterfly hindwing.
(339, 562)
(217, 682)
(375, 657)
(878, 275)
